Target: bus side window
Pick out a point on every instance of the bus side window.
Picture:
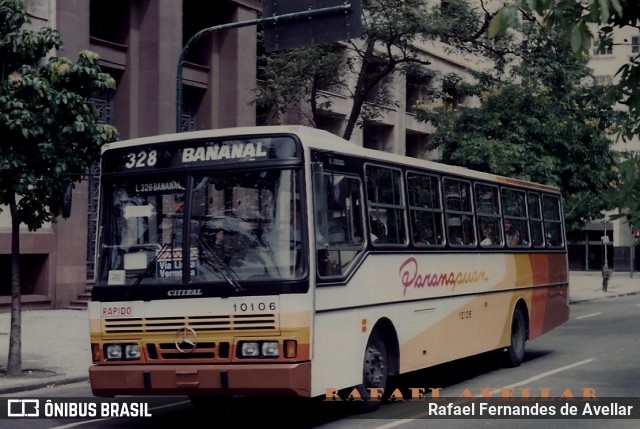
(535, 219)
(488, 210)
(425, 209)
(339, 222)
(385, 201)
(552, 221)
(459, 212)
(516, 220)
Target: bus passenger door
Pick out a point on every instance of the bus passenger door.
(339, 222)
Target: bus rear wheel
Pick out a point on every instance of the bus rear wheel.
(514, 354)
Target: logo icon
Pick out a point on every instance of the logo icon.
(186, 340)
(23, 408)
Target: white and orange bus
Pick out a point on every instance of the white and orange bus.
(287, 261)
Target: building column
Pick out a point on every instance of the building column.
(159, 47)
(236, 74)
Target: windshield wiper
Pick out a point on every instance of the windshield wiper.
(220, 266)
(152, 263)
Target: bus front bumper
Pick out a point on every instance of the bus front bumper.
(227, 380)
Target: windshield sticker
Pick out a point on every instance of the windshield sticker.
(132, 211)
(135, 261)
(116, 277)
(169, 263)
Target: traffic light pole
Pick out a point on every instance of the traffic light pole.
(344, 8)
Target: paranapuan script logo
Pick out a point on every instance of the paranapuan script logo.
(186, 340)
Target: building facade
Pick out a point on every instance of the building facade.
(607, 239)
(140, 42)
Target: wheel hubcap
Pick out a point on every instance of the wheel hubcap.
(374, 368)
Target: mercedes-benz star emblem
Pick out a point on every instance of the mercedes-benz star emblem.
(186, 340)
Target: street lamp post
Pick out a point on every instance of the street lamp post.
(606, 273)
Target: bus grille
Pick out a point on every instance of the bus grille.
(228, 323)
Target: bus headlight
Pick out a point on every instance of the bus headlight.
(249, 349)
(122, 352)
(131, 351)
(258, 349)
(113, 352)
(270, 349)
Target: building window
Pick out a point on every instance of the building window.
(604, 80)
(419, 90)
(417, 145)
(109, 21)
(198, 15)
(602, 49)
(635, 45)
(188, 118)
(451, 93)
(104, 103)
(380, 93)
(376, 136)
(191, 99)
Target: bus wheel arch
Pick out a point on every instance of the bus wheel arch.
(513, 355)
(385, 329)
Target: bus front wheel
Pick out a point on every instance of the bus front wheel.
(514, 354)
(375, 374)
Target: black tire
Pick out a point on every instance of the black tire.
(375, 373)
(514, 354)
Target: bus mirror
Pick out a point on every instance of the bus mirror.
(67, 190)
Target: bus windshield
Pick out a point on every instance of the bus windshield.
(227, 228)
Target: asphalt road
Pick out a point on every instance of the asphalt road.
(595, 353)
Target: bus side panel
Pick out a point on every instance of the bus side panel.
(436, 320)
(549, 309)
(458, 327)
(550, 304)
(338, 351)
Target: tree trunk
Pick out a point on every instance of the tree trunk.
(14, 361)
(359, 92)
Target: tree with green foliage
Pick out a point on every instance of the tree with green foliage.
(579, 21)
(49, 134)
(543, 119)
(359, 68)
(625, 191)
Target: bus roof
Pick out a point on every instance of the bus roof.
(324, 140)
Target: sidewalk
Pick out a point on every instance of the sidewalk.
(56, 349)
(587, 285)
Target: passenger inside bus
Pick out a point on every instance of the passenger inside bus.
(423, 234)
(488, 235)
(512, 235)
